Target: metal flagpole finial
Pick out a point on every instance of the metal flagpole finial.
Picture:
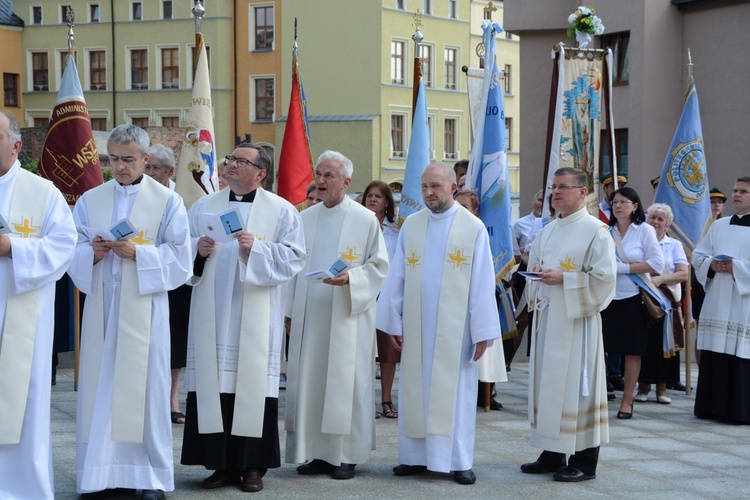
(70, 16)
(294, 46)
(417, 23)
(488, 10)
(690, 64)
(198, 11)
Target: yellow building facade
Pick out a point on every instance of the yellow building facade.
(134, 63)
(11, 63)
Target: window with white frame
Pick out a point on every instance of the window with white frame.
(508, 79)
(263, 91)
(431, 132)
(36, 14)
(138, 68)
(425, 54)
(450, 142)
(451, 63)
(398, 132)
(166, 9)
(262, 21)
(170, 68)
(398, 62)
(94, 13)
(97, 70)
(64, 13)
(453, 9)
(99, 123)
(508, 134)
(400, 4)
(40, 71)
(427, 7)
(136, 11)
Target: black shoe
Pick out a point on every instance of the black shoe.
(315, 467)
(611, 396)
(464, 476)
(572, 475)
(610, 387)
(343, 471)
(221, 478)
(251, 481)
(409, 470)
(152, 495)
(542, 467)
(679, 386)
(494, 405)
(618, 383)
(108, 493)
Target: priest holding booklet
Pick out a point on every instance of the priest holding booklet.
(236, 323)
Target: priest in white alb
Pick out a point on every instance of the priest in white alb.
(439, 305)
(123, 427)
(37, 241)
(330, 421)
(575, 257)
(236, 326)
(722, 265)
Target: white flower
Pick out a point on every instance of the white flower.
(584, 10)
(572, 18)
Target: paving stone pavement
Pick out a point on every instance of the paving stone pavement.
(663, 452)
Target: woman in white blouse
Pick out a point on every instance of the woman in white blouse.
(656, 369)
(624, 321)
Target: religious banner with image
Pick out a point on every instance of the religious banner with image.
(579, 107)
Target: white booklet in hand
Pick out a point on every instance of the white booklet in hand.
(336, 269)
(121, 230)
(4, 227)
(221, 227)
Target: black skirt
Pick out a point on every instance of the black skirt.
(655, 368)
(723, 387)
(223, 451)
(179, 315)
(624, 327)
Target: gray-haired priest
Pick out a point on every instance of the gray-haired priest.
(439, 300)
(567, 385)
(36, 246)
(236, 325)
(124, 433)
(330, 417)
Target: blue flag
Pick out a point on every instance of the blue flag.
(488, 166)
(683, 184)
(416, 160)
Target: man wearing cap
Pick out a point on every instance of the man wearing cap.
(608, 187)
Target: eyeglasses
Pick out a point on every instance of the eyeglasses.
(242, 162)
(562, 186)
(620, 202)
(124, 159)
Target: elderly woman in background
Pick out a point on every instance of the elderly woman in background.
(379, 198)
(656, 369)
(624, 321)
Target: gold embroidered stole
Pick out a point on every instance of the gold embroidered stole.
(255, 325)
(133, 322)
(26, 219)
(451, 312)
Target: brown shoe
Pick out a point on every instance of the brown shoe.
(251, 481)
(220, 478)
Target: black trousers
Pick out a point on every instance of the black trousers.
(584, 460)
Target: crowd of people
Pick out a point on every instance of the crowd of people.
(327, 291)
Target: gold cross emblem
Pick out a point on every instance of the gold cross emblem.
(457, 258)
(413, 260)
(568, 265)
(350, 256)
(25, 228)
(141, 239)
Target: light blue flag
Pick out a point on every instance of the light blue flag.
(488, 166)
(416, 160)
(683, 184)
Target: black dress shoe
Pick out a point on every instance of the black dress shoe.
(315, 467)
(251, 481)
(618, 383)
(541, 467)
(343, 471)
(494, 405)
(108, 493)
(679, 386)
(610, 387)
(152, 495)
(464, 476)
(221, 478)
(409, 470)
(611, 396)
(572, 475)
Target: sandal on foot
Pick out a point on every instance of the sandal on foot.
(178, 417)
(623, 415)
(389, 410)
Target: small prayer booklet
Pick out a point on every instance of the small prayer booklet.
(4, 227)
(120, 230)
(336, 269)
(530, 275)
(723, 257)
(221, 227)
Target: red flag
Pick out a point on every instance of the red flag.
(295, 162)
(69, 157)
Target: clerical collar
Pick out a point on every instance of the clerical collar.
(244, 198)
(137, 181)
(740, 220)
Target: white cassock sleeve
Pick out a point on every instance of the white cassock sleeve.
(591, 289)
(484, 322)
(365, 281)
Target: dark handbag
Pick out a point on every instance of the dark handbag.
(654, 312)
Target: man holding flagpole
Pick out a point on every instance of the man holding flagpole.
(37, 241)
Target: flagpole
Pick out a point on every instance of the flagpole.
(688, 291)
(417, 37)
(198, 11)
